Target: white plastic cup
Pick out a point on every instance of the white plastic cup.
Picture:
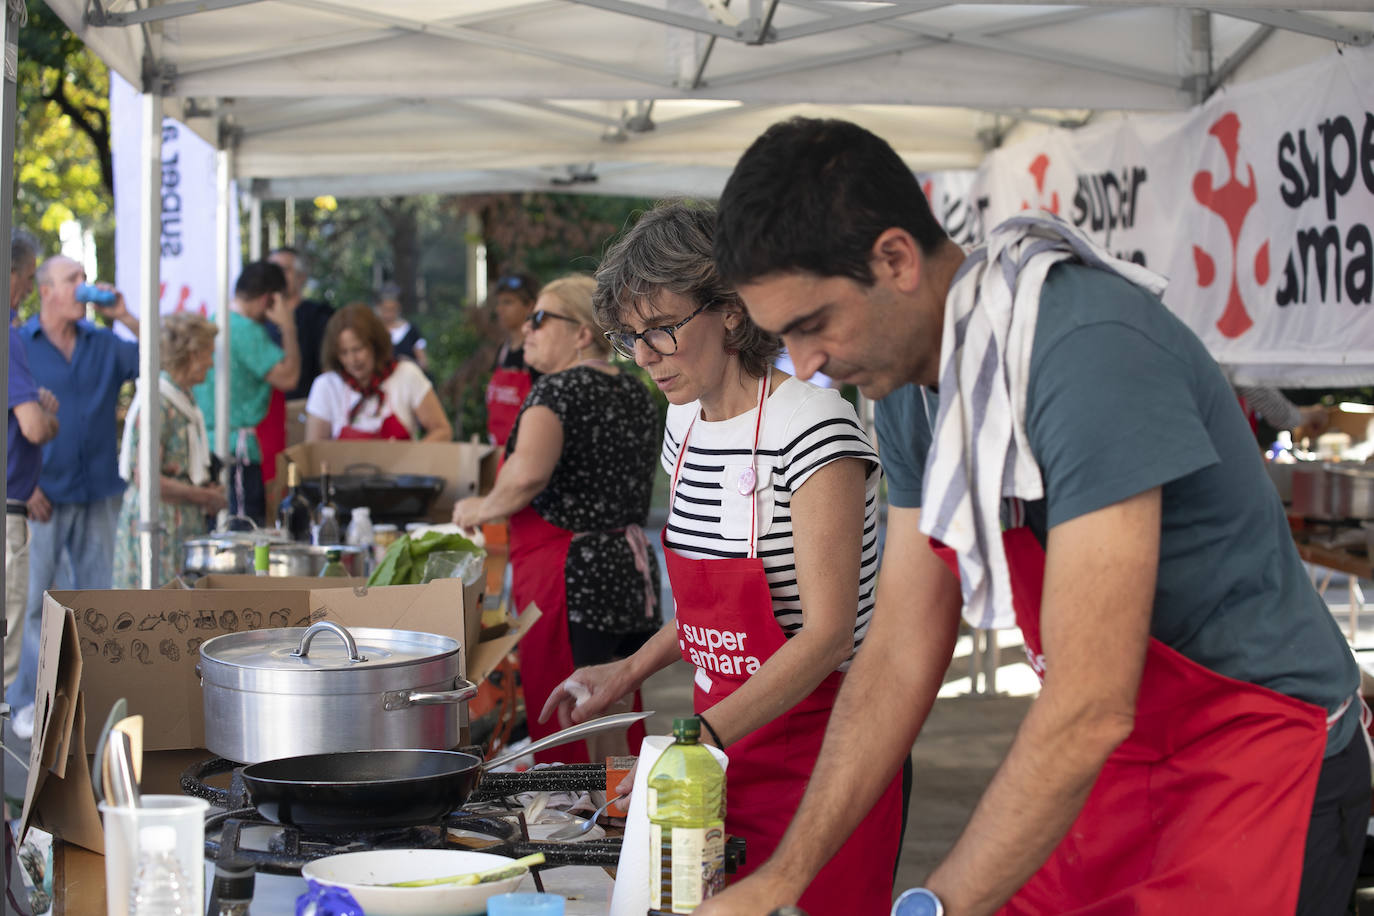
(183, 814)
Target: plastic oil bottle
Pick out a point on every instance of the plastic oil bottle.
(686, 805)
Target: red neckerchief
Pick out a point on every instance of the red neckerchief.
(373, 388)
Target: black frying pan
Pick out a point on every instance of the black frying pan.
(380, 789)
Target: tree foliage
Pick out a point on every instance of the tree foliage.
(62, 165)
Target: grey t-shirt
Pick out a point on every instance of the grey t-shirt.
(1123, 398)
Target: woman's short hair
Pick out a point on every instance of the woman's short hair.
(361, 320)
(184, 336)
(670, 249)
(574, 294)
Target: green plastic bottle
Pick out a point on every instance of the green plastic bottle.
(333, 565)
(686, 802)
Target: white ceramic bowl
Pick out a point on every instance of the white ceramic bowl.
(361, 873)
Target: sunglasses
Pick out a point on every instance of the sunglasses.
(510, 283)
(540, 316)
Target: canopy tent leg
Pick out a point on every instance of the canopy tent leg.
(149, 340)
(224, 169)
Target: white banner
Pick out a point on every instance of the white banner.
(189, 201)
(1257, 205)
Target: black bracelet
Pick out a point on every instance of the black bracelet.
(712, 732)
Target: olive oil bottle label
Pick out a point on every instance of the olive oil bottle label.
(690, 866)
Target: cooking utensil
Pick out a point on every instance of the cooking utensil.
(277, 693)
(121, 786)
(227, 552)
(1352, 492)
(118, 711)
(366, 874)
(308, 559)
(386, 788)
(575, 830)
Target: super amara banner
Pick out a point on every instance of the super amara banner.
(1257, 205)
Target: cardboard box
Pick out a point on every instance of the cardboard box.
(97, 646)
(469, 469)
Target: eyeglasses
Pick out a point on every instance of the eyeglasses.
(662, 340)
(542, 315)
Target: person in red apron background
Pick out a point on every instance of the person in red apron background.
(511, 377)
(1079, 464)
(771, 547)
(576, 486)
(365, 392)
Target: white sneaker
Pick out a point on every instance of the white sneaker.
(21, 723)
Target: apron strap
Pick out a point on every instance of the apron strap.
(751, 475)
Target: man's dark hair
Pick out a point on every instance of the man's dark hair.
(812, 195)
(258, 279)
(22, 247)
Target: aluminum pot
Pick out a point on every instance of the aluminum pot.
(1312, 490)
(223, 552)
(1352, 492)
(309, 559)
(277, 693)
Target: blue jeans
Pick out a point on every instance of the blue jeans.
(81, 533)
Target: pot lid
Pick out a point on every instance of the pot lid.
(325, 648)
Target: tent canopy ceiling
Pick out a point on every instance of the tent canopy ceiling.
(659, 97)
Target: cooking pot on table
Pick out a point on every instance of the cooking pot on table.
(1352, 491)
(381, 789)
(223, 552)
(308, 559)
(282, 692)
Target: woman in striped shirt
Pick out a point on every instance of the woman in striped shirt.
(771, 545)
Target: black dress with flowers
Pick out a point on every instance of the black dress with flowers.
(601, 485)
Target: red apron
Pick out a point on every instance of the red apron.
(391, 428)
(271, 432)
(726, 629)
(505, 393)
(538, 551)
(1202, 810)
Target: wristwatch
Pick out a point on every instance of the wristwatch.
(918, 901)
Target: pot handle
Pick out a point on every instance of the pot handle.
(328, 626)
(400, 699)
(574, 733)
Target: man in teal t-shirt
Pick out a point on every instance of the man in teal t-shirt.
(256, 366)
(1158, 577)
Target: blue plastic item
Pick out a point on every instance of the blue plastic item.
(88, 293)
(325, 900)
(525, 905)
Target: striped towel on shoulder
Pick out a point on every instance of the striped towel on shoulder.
(980, 452)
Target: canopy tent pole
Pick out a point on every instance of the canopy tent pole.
(149, 337)
(15, 16)
(255, 228)
(224, 168)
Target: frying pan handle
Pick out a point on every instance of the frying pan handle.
(328, 626)
(575, 733)
(400, 699)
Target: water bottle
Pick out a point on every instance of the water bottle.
(327, 534)
(333, 566)
(686, 804)
(360, 533)
(160, 887)
(95, 295)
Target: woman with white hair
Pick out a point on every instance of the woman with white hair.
(187, 491)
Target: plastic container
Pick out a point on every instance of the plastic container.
(360, 532)
(125, 848)
(261, 559)
(530, 904)
(160, 886)
(686, 808)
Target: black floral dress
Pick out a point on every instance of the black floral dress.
(602, 484)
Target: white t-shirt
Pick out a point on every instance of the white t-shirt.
(331, 399)
(804, 429)
(399, 333)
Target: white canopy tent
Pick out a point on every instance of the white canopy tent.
(646, 98)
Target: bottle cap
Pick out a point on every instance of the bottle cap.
(688, 727)
(157, 838)
(333, 555)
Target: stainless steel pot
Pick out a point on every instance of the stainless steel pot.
(1352, 492)
(274, 693)
(1312, 486)
(309, 559)
(223, 552)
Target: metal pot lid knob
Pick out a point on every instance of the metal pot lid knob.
(328, 626)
